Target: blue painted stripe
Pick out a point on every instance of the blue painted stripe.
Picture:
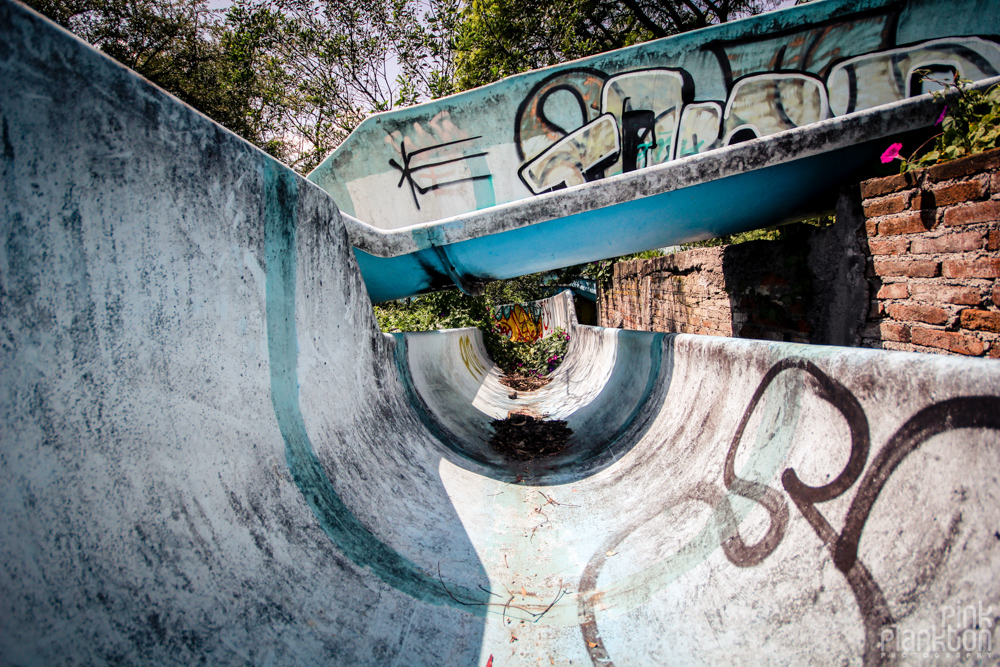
(655, 365)
(344, 529)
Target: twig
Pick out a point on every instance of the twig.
(553, 501)
(483, 604)
(922, 145)
(487, 591)
(468, 604)
(562, 591)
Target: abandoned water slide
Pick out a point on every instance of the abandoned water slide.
(210, 453)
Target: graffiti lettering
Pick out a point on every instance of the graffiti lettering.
(408, 170)
(948, 415)
(770, 103)
(576, 158)
(652, 104)
(647, 106)
(521, 322)
(889, 76)
(649, 116)
(540, 122)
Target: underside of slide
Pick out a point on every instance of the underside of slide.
(210, 454)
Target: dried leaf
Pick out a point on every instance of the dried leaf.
(592, 644)
(524, 593)
(610, 553)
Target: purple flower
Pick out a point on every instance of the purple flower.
(892, 153)
(944, 112)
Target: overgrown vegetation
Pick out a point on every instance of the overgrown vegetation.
(970, 124)
(536, 359)
(775, 233)
(452, 309)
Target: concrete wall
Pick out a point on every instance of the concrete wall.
(208, 453)
(653, 103)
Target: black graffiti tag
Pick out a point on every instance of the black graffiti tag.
(938, 418)
(407, 169)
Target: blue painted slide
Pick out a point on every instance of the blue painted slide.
(722, 130)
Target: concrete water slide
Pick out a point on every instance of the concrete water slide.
(210, 454)
(722, 130)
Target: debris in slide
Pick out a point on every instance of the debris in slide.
(525, 437)
(524, 381)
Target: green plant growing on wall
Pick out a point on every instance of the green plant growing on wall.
(970, 124)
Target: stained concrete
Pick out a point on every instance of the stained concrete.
(209, 453)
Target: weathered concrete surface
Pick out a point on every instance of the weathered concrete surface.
(768, 503)
(205, 453)
(208, 453)
(607, 379)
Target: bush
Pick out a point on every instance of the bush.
(451, 310)
(538, 358)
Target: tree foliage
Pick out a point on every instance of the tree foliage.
(176, 44)
(663, 18)
(342, 60)
(452, 309)
(294, 77)
(498, 38)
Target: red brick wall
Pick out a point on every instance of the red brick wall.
(679, 293)
(931, 243)
(933, 238)
(751, 290)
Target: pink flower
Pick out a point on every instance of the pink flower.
(941, 117)
(892, 153)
